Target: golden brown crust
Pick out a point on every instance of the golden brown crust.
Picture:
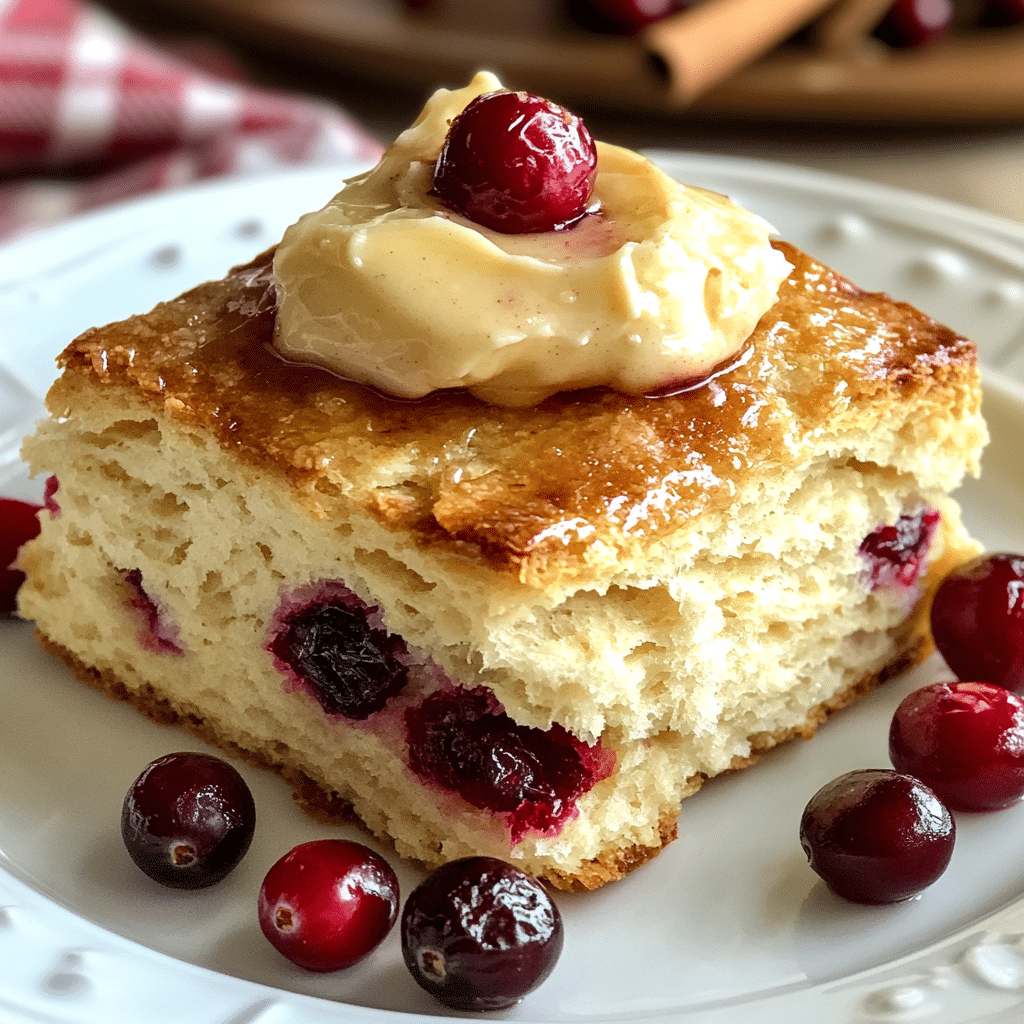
(533, 491)
(614, 864)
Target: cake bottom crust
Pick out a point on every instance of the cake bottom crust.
(610, 865)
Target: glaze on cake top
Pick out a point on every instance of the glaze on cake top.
(535, 491)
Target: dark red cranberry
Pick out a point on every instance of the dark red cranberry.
(479, 934)
(894, 553)
(328, 903)
(1001, 13)
(622, 16)
(516, 163)
(159, 633)
(49, 496)
(915, 22)
(965, 741)
(463, 741)
(188, 819)
(876, 836)
(350, 667)
(19, 522)
(977, 620)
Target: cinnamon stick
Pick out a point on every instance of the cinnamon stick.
(699, 47)
(848, 24)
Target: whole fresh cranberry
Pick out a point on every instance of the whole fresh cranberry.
(328, 903)
(516, 163)
(876, 836)
(977, 620)
(915, 22)
(965, 741)
(479, 934)
(19, 522)
(188, 819)
(622, 16)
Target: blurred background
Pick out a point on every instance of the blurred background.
(926, 95)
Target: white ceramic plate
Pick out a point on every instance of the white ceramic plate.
(728, 926)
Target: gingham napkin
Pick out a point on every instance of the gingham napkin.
(90, 113)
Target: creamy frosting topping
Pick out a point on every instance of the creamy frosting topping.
(658, 286)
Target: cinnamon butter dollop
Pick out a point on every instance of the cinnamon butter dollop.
(660, 284)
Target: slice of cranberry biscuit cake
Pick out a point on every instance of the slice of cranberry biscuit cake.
(523, 630)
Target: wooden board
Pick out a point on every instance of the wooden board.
(970, 76)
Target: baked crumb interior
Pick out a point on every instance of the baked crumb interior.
(677, 579)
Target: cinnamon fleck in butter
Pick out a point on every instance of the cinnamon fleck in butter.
(659, 285)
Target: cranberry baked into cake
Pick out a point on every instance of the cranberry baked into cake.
(526, 630)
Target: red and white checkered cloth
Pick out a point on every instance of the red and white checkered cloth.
(90, 113)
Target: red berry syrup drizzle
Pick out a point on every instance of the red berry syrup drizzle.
(462, 741)
(894, 554)
(158, 634)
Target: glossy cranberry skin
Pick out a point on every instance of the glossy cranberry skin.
(977, 620)
(516, 163)
(965, 741)
(915, 22)
(188, 819)
(894, 554)
(328, 903)
(622, 16)
(19, 522)
(876, 836)
(479, 934)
